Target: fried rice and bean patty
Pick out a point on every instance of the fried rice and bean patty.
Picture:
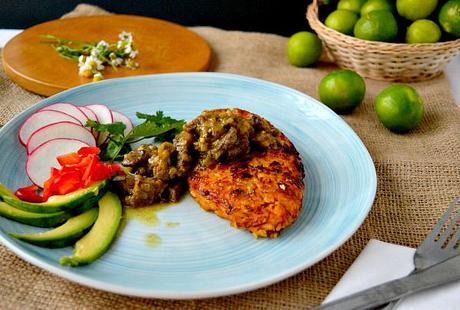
(235, 164)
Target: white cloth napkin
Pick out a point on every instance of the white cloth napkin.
(381, 262)
(7, 34)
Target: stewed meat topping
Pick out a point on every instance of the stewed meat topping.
(159, 172)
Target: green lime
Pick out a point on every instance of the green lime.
(415, 9)
(342, 90)
(377, 26)
(399, 107)
(449, 17)
(351, 5)
(303, 49)
(423, 31)
(342, 20)
(376, 5)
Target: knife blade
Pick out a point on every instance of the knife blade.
(442, 273)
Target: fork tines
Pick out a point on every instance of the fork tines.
(449, 237)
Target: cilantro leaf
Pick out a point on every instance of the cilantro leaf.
(117, 128)
(156, 124)
(157, 117)
(115, 139)
(115, 146)
(163, 128)
(147, 129)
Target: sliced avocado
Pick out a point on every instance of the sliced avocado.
(63, 235)
(97, 241)
(43, 219)
(54, 203)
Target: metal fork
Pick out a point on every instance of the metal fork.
(436, 248)
(432, 250)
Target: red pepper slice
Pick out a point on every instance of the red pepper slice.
(29, 193)
(68, 182)
(115, 168)
(86, 150)
(69, 159)
(48, 187)
(78, 170)
(85, 161)
(88, 172)
(101, 172)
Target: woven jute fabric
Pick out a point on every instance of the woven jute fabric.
(418, 174)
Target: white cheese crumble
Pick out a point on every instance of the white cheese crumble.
(122, 53)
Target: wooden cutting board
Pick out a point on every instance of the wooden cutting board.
(163, 47)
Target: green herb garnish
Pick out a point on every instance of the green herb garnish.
(155, 125)
(67, 48)
(159, 126)
(93, 57)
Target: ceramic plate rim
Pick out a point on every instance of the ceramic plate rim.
(146, 293)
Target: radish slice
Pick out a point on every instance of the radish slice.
(89, 113)
(120, 117)
(59, 130)
(68, 108)
(103, 113)
(40, 162)
(40, 119)
(105, 116)
(92, 116)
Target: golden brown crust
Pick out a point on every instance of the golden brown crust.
(262, 193)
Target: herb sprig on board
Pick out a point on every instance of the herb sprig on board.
(163, 128)
(93, 57)
(69, 49)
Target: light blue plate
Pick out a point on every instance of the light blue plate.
(203, 256)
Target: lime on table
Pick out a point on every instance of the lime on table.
(399, 107)
(423, 31)
(303, 49)
(376, 26)
(351, 5)
(342, 90)
(342, 21)
(449, 17)
(376, 5)
(415, 9)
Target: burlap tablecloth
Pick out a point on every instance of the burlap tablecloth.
(418, 175)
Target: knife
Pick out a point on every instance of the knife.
(442, 273)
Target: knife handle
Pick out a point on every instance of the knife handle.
(442, 273)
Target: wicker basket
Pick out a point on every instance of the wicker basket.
(381, 60)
